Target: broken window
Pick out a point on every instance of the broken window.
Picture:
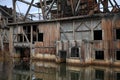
(40, 37)
(99, 55)
(74, 52)
(98, 35)
(117, 33)
(99, 75)
(117, 55)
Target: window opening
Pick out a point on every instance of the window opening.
(99, 55)
(35, 33)
(20, 38)
(98, 35)
(75, 52)
(40, 37)
(117, 55)
(117, 33)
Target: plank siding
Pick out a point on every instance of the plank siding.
(50, 36)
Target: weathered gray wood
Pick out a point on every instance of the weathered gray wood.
(26, 37)
(64, 33)
(11, 41)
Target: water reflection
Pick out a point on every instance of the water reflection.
(51, 71)
(6, 70)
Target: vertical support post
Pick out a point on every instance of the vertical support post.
(72, 6)
(43, 11)
(31, 40)
(14, 10)
(11, 41)
(2, 46)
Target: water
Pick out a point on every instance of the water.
(17, 70)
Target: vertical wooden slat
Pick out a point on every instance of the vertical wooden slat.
(11, 41)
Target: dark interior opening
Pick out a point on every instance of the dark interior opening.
(75, 52)
(25, 40)
(40, 37)
(117, 33)
(117, 76)
(35, 33)
(98, 35)
(27, 29)
(118, 55)
(99, 75)
(20, 38)
(99, 55)
(35, 28)
(28, 36)
(24, 52)
(62, 54)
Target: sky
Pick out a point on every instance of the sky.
(21, 7)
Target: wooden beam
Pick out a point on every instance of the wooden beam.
(78, 26)
(97, 25)
(14, 10)
(28, 3)
(71, 31)
(5, 12)
(28, 9)
(26, 37)
(50, 7)
(64, 33)
(72, 6)
(43, 11)
(86, 26)
(78, 4)
(116, 4)
(14, 37)
(11, 41)
(111, 3)
(1, 42)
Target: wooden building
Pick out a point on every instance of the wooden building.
(80, 40)
(79, 32)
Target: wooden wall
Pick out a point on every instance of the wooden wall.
(50, 36)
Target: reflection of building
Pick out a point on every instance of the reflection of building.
(62, 72)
